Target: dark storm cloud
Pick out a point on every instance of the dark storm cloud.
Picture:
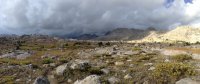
(92, 16)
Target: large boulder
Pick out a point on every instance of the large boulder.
(92, 79)
(80, 65)
(41, 80)
(187, 81)
(61, 69)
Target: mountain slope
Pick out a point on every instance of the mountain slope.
(182, 33)
(125, 34)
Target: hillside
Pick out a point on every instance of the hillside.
(125, 34)
(182, 33)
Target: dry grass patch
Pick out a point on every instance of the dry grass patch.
(181, 57)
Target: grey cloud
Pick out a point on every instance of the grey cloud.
(88, 16)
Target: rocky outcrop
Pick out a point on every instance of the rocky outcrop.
(17, 54)
(92, 79)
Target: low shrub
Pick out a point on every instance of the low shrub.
(144, 57)
(165, 73)
(181, 57)
(96, 71)
(15, 61)
(63, 60)
(136, 49)
(47, 61)
(7, 80)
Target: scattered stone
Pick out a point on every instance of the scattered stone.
(44, 56)
(11, 66)
(124, 71)
(113, 80)
(167, 60)
(128, 53)
(60, 69)
(119, 63)
(128, 76)
(145, 82)
(105, 71)
(148, 64)
(41, 80)
(187, 81)
(45, 65)
(107, 61)
(136, 45)
(129, 60)
(131, 65)
(69, 81)
(52, 64)
(92, 79)
(151, 68)
(28, 81)
(54, 57)
(17, 80)
(143, 53)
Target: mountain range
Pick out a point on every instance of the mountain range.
(181, 33)
(118, 34)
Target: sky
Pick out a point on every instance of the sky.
(62, 17)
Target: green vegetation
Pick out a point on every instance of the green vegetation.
(63, 60)
(171, 72)
(14, 61)
(181, 57)
(95, 70)
(47, 61)
(7, 80)
(136, 49)
(144, 57)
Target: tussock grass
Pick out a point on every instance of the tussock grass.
(171, 72)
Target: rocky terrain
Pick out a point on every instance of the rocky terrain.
(42, 59)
